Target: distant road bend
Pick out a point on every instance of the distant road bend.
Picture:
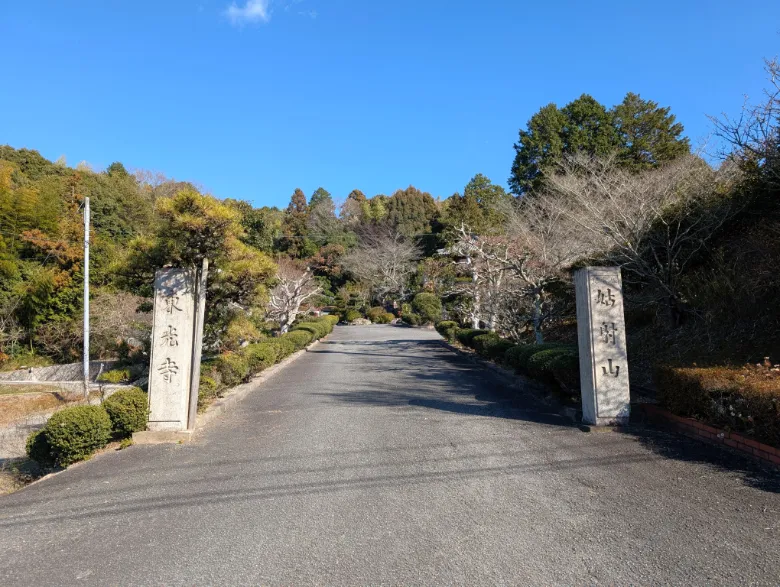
(380, 457)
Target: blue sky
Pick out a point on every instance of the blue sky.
(258, 99)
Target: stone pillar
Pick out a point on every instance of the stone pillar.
(170, 365)
(602, 343)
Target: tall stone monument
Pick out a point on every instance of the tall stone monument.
(170, 366)
(602, 342)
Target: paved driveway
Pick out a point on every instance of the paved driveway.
(382, 458)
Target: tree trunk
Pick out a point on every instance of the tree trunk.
(537, 318)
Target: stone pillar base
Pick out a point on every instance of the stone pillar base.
(162, 437)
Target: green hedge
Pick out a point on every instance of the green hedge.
(466, 336)
(300, 338)
(448, 329)
(351, 315)
(491, 346)
(539, 364)
(385, 318)
(412, 319)
(374, 314)
(70, 435)
(114, 376)
(261, 355)
(518, 356)
(233, 368)
(128, 411)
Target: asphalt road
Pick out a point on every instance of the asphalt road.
(380, 457)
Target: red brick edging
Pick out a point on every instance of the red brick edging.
(700, 431)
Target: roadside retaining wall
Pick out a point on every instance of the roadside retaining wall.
(69, 372)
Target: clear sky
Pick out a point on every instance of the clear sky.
(253, 100)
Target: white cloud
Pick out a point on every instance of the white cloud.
(252, 11)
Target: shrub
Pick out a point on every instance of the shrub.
(128, 411)
(538, 364)
(207, 390)
(492, 346)
(332, 318)
(233, 368)
(115, 376)
(385, 318)
(745, 400)
(374, 313)
(565, 368)
(260, 356)
(428, 306)
(517, 357)
(412, 319)
(317, 329)
(39, 449)
(284, 347)
(466, 335)
(351, 315)
(73, 434)
(299, 338)
(448, 329)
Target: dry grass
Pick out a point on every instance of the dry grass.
(18, 405)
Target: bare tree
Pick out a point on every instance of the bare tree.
(653, 224)
(294, 287)
(754, 135)
(384, 260)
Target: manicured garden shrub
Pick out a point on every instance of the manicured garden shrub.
(744, 400)
(207, 390)
(73, 434)
(115, 376)
(260, 356)
(233, 368)
(412, 319)
(39, 449)
(448, 329)
(491, 346)
(374, 313)
(284, 347)
(351, 315)
(517, 357)
(466, 335)
(538, 364)
(565, 368)
(428, 306)
(332, 318)
(128, 411)
(385, 318)
(300, 338)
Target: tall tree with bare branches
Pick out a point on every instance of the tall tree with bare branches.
(295, 286)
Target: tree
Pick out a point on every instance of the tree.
(410, 212)
(384, 260)
(352, 209)
(116, 169)
(654, 224)
(321, 196)
(649, 135)
(480, 207)
(294, 286)
(295, 227)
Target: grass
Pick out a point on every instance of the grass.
(25, 360)
(8, 389)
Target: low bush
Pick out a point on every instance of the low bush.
(518, 356)
(428, 306)
(128, 411)
(332, 318)
(491, 346)
(466, 335)
(385, 318)
(299, 338)
(351, 315)
(261, 355)
(207, 390)
(744, 400)
(70, 435)
(565, 368)
(114, 376)
(412, 319)
(39, 449)
(374, 314)
(538, 364)
(233, 368)
(448, 329)
(284, 347)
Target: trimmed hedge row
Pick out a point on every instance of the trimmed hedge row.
(550, 362)
(74, 434)
(743, 400)
(233, 368)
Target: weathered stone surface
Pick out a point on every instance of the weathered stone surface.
(162, 437)
(67, 372)
(171, 357)
(602, 343)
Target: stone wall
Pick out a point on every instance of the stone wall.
(69, 372)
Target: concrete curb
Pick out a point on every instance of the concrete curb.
(238, 393)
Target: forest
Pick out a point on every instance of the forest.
(697, 239)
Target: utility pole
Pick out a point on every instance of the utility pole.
(86, 298)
